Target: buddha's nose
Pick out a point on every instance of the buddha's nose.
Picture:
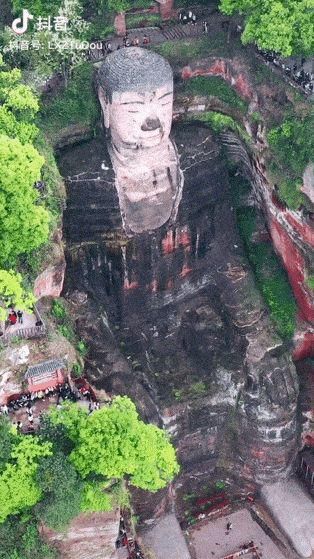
(151, 124)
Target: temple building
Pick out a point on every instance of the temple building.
(46, 374)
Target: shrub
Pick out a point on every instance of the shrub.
(142, 20)
(82, 348)
(290, 193)
(67, 332)
(310, 282)
(217, 87)
(94, 498)
(271, 278)
(77, 104)
(77, 369)
(58, 310)
(219, 122)
(292, 148)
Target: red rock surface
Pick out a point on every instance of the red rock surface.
(50, 282)
(294, 263)
(166, 8)
(120, 25)
(90, 536)
(223, 68)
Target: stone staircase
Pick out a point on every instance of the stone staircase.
(175, 32)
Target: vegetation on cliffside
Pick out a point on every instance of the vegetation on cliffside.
(75, 105)
(292, 149)
(278, 25)
(215, 87)
(25, 217)
(76, 462)
(270, 276)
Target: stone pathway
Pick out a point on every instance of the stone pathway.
(296, 517)
(210, 540)
(155, 34)
(165, 540)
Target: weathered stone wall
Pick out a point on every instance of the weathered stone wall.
(89, 536)
(199, 354)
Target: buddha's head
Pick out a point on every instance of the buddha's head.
(136, 95)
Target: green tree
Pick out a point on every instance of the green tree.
(18, 487)
(18, 106)
(37, 7)
(56, 434)
(24, 225)
(7, 439)
(114, 442)
(12, 293)
(20, 539)
(62, 491)
(285, 26)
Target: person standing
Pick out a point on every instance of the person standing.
(12, 317)
(20, 317)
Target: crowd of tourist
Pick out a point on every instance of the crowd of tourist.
(295, 72)
(61, 393)
(186, 17)
(126, 42)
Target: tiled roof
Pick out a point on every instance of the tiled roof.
(45, 367)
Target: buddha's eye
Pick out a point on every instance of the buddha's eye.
(133, 111)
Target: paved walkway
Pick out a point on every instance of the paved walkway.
(165, 540)
(210, 540)
(296, 517)
(155, 34)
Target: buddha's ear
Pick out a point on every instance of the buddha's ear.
(105, 106)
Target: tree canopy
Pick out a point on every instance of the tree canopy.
(18, 487)
(62, 489)
(42, 8)
(284, 26)
(56, 482)
(115, 443)
(24, 223)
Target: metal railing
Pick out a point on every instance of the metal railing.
(26, 332)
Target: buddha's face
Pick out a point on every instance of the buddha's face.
(139, 120)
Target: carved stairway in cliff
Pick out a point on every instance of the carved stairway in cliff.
(175, 32)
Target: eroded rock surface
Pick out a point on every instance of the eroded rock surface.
(174, 319)
(89, 535)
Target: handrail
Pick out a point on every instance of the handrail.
(24, 333)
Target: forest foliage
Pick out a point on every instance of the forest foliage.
(283, 26)
(24, 223)
(77, 460)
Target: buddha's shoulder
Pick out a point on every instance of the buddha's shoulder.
(194, 139)
(88, 161)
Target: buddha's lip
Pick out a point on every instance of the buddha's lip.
(151, 134)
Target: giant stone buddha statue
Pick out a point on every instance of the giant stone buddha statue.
(136, 95)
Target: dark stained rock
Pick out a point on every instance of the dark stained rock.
(174, 318)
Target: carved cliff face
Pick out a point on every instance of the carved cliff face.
(139, 119)
(136, 95)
